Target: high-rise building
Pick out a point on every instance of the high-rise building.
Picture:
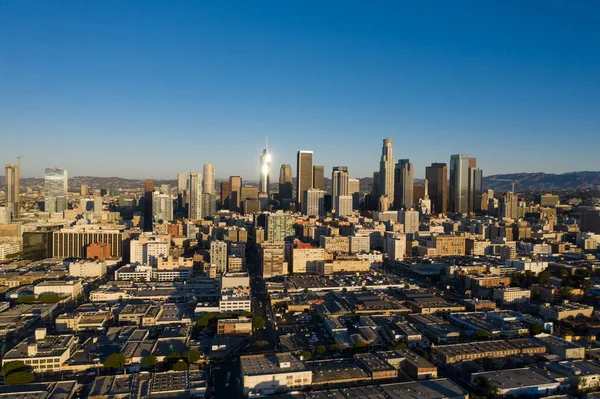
(182, 182)
(313, 203)
(235, 193)
(218, 255)
(209, 178)
(273, 259)
(13, 191)
(458, 190)
(286, 187)
(148, 192)
(343, 205)
(195, 189)
(85, 190)
(354, 191)
(265, 172)
(386, 170)
(437, 177)
(508, 205)
(304, 174)
(404, 176)
(279, 226)
(162, 207)
(374, 202)
(209, 204)
(55, 190)
(224, 194)
(410, 220)
(319, 177)
(339, 183)
(475, 188)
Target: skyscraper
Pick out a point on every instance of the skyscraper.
(386, 170)
(458, 198)
(55, 190)
(148, 191)
(235, 193)
(265, 172)
(313, 203)
(404, 177)
(437, 177)
(475, 186)
(195, 188)
(374, 201)
(339, 183)
(319, 177)
(209, 178)
(285, 183)
(13, 191)
(354, 191)
(182, 182)
(162, 207)
(224, 194)
(304, 174)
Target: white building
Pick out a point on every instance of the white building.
(360, 244)
(231, 302)
(527, 265)
(512, 295)
(195, 195)
(279, 373)
(148, 273)
(87, 268)
(395, 247)
(410, 220)
(73, 288)
(7, 249)
(313, 202)
(162, 206)
(148, 248)
(343, 205)
(307, 260)
(45, 353)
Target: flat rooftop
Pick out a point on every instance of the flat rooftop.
(430, 389)
(515, 378)
(264, 365)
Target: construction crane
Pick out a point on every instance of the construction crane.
(513, 182)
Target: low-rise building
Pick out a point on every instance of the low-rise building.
(87, 268)
(512, 295)
(565, 310)
(263, 375)
(43, 352)
(234, 327)
(448, 354)
(519, 382)
(557, 346)
(71, 288)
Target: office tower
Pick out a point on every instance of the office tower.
(235, 193)
(386, 171)
(13, 191)
(55, 190)
(72, 242)
(182, 182)
(249, 192)
(313, 203)
(437, 177)
(319, 177)
(374, 203)
(286, 187)
(404, 177)
(458, 190)
(195, 190)
(508, 205)
(97, 204)
(279, 226)
(209, 178)
(304, 175)
(224, 193)
(354, 191)
(418, 192)
(475, 188)
(85, 190)
(218, 255)
(343, 205)
(148, 192)
(265, 172)
(410, 220)
(162, 207)
(339, 183)
(209, 204)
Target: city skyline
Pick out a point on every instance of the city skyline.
(479, 79)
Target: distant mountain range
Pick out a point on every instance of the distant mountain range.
(524, 182)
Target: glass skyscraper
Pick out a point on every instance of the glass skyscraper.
(55, 190)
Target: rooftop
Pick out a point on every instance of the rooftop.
(264, 365)
(515, 378)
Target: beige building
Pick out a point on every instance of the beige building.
(447, 245)
(565, 310)
(45, 353)
(512, 295)
(448, 354)
(273, 259)
(335, 244)
(234, 327)
(262, 375)
(72, 288)
(307, 260)
(86, 268)
(171, 262)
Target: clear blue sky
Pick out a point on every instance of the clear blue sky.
(151, 88)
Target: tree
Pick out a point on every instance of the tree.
(563, 272)
(306, 291)
(10, 367)
(49, 298)
(115, 361)
(204, 320)
(422, 353)
(544, 277)
(481, 335)
(536, 329)
(26, 299)
(19, 378)
(360, 344)
(180, 366)
(485, 386)
(333, 347)
(258, 322)
(306, 355)
(149, 361)
(174, 356)
(399, 346)
(321, 349)
(192, 356)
